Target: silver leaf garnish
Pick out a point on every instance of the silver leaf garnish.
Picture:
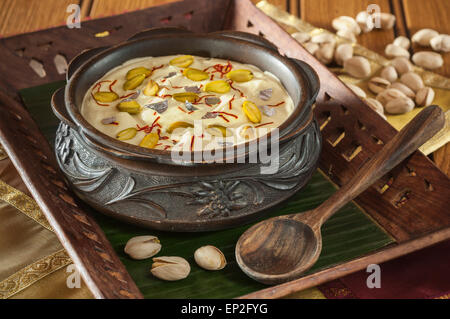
(159, 107)
(170, 75)
(193, 89)
(266, 94)
(210, 115)
(190, 107)
(132, 97)
(108, 120)
(267, 110)
(212, 100)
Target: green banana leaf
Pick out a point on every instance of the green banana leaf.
(347, 235)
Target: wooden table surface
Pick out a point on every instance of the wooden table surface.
(19, 16)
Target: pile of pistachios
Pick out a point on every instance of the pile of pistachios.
(173, 268)
(398, 88)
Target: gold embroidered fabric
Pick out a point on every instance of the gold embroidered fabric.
(439, 83)
(32, 260)
(32, 273)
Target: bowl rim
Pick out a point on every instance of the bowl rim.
(137, 152)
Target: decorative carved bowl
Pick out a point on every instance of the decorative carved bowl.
(145, 186)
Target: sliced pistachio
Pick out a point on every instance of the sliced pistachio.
(210, 258)
(105, 96)
(137, 71)
(346, 23)
(441, 43)
(142, 247)
(127, 134)
(220, 128)
(387, 20)
(131, 107)
(185, 96)
(240, 75)
(134, 82)
(365, 21)
(182, 61)
(170, 268)
(195, 74)
(248, 132)
(179, 124)
(219, 86)
(150, 140)
(151, 88)
(389, 94)
(343, 52)
(251, 111)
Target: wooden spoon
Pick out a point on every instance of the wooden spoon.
(282, 248)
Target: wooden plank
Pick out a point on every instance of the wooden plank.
(433, 14)
(320, 13)
(102, 8)
(442, 158)
(20, 16)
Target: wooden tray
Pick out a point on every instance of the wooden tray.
(411, 203)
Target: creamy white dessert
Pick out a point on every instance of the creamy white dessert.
(154, 102)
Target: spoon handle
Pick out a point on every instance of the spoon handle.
(421, 128)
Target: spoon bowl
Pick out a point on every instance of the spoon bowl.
(282, 248)
(265, 249)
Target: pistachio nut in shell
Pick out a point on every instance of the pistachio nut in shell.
(399, 105)
(311, 47)
(441, 43)
(412, 80)
(210, 258)
(376, 106)
(428, 60)
(402, 65)
(425, 96)
(387, 20)
(357, 90)
(403, 88)
(301, 37)
(402, 42)
(358, 67)
(424, 36)
(343, 52)
(346, 23)
(377, 84)
(389, 73)
(325, 53)
(394, 51)
(347, 34)
(365, 21)
(388, 95)
(142, 247)
(170, 268)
